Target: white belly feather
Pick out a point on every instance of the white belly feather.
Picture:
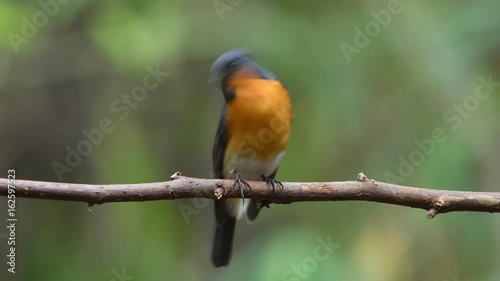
(248, 169)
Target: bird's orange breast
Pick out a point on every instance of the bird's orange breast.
(258, 118)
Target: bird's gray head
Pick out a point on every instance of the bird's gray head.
(232, 61)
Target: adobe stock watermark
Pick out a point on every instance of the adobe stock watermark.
(363, 37)
(223, 6)
(11, 220)
(120, 109)
(310, 264)
(454, 117)
(249, 149)
(121, 276)
(31, 26)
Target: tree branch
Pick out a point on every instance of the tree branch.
(363, 189)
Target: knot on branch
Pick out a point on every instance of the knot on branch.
(363, 178)
(176, 175)
(436, 206)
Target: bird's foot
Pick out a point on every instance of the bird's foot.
(240, 182)
(271, 182)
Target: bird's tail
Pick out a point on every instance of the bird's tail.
(223, 242)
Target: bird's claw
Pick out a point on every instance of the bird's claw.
(240, 183)
(272, 183)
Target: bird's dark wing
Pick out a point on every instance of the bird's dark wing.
(220, 144)
(224, 230)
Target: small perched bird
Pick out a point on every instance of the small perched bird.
(251, 139)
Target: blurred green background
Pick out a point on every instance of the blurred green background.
(63, 65)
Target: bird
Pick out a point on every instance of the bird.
(250, 141)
